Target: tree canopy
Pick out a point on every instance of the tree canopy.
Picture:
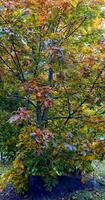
(52, 68)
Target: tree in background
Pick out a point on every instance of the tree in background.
(52, 62)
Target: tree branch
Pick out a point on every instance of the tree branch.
(18, 62)
(8, 66)
(87, 96)
(71, 33)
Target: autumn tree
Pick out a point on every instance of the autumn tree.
(52, 58)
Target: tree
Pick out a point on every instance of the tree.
(52, 58)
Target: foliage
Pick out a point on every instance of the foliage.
(8, 133)
(52, 64)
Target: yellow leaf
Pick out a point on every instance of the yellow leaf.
(85, 129)
(90, 157)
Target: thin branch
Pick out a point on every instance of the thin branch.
(4, 19)
(20, 97)
(61, 117)
(18, 62)
(10, 56)
(19, 66)
(87, 96)
(8, 66)
(71, 33)
(8, 52)
(100, 109)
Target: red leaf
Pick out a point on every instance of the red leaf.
(47, 103)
